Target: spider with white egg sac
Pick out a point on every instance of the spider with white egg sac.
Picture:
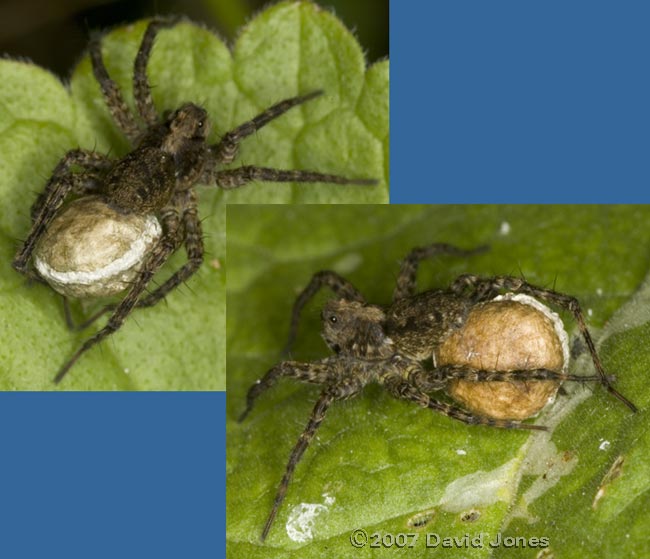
(486, 342)
(103, 226)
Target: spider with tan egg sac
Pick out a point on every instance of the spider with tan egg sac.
(479, 332)
(104, 226)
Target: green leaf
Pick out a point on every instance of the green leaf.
(382, 464)
(288, 49)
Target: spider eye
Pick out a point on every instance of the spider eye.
(333, 319)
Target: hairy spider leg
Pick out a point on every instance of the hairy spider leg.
(316, 373)
(325, 371)
(341, 391)
(235, 178)
(317, 415)
(83, 183)
(401, 389)
(406, 280)
(487, 288)
(406, 379)
(82, 325)
(166, 246)
(112, 95)
(191, 227)
(61, 184)
(446, 373)
(225, 151)
(141, 87)
(438, 378)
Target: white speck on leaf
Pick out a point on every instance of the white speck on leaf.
(505, 228)
(302, 518)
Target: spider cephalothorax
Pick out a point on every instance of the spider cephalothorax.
(130, 214)
(442, 340)
(355, 329)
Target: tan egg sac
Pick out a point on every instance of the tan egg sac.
(92, 250)
(506, 335)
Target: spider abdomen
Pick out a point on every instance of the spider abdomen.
(91, 249)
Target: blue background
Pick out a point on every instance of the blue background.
(112, 475)
(520, 101)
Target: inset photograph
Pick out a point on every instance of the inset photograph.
(115, 183)
(428, 377)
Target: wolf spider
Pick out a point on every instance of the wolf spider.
(390, 345)
(156, 180)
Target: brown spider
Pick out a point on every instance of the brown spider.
(394, 345)
(132, 213)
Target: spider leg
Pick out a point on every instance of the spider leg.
(225, 151)
(141, 87)
(82, 325)
(62, 183)
(191, 227)
(84, 183)
(316, 373)
(111, 92)
(428, 381)
(68, 315)
(406, 282)
(316, 418)
(341, 287)
(235, 178)
(329, 395)
(402, 389)
(157, 258)
(487, 288)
